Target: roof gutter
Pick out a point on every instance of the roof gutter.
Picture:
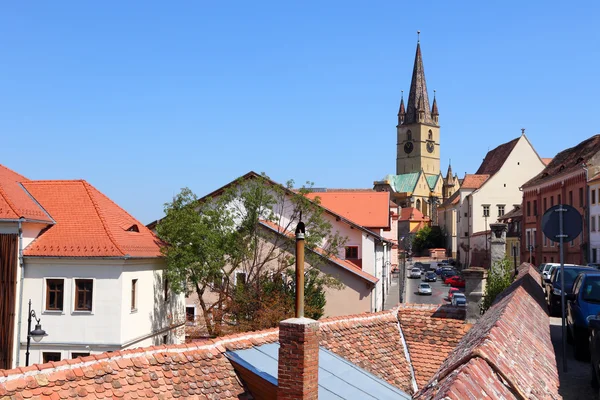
(35, 221)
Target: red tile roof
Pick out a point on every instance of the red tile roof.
(200, 370)
(367, 208)
(495, 158)
(15, 202)
(508, 354)
(547, 161)
(412, 214)
(472, 181)
(431, 333)
(88, 224)
(353, 266)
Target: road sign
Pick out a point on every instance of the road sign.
(572, 224)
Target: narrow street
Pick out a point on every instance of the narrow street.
(410, 295)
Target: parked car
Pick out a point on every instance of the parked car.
(418, 264)
(550, 267)
(459, 299)
(594, 329)
(455, 281)
(424, 288)
(447, 274)
(594, 265)
(415, 273)
(430, 277)
(552, 286)
(582, 303)
(452, 291)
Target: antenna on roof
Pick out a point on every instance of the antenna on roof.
(418, 36)
(522, 131)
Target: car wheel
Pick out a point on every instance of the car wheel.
(581, 345)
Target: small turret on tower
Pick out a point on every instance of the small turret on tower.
(402, 111)
(435, 115)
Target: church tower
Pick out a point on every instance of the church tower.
(418, 144)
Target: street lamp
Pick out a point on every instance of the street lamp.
(37, 334)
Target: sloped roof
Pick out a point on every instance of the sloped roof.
(367, 208)
(452, 200)
(508, 354)
(432, 180)
(88, 224)
(370, 341)
(431, 333)
(547, 161)
(412, 214)
(348, 265)
(403, 182)
(418, 98)
(495, 158)
(15, 202)
(473, 181)
(571, 160)
(516, 212)
(337, 377)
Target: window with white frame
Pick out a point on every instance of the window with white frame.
(84, 291)
(533, 234)
(55, 292)
(486, 210)
(500, 210)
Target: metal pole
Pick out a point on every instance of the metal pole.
(562, 286)
(28, 335)
(300, 231)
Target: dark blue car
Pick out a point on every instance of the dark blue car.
(582, 303)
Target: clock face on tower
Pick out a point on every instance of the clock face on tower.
(408, 147)
(430, 147)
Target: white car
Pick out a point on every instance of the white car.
(459, 299)
(415, 273)
(424, 288)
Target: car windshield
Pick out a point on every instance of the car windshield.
(416, 270)
(459, 295)
(424, 285)
(570, 275)
(591, 289)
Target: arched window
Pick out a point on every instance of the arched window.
(430, 135)
(409, 135)
(418, 204)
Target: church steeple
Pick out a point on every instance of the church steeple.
(418, 100)
(402, 111)
(435, 115)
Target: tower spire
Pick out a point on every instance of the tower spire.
(418, 93)
(402, 111)
(434, 110)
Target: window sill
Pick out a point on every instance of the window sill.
(82, 312)
(53, 312)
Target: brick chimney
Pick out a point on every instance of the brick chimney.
(298, 369)
(475, 278)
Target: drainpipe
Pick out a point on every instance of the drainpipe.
(22, 267)
(375, 266)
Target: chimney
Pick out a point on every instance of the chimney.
(475, 278)
(298, 366)
(498, 243)
(298, 369)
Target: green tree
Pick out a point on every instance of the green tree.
(247, 228)
(428, 238)
(499, 278)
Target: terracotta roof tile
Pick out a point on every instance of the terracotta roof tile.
(431, 333)
(15, 202)
(495, 158)
(473, 181)
(412, 214)
(88, 224)
(547, 161)
(367, 208)
(200, 370)
(508, 354)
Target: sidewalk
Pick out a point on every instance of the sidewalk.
(393, 296)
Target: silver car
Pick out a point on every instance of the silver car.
(424, 288)
(415, 273)
(459, 300)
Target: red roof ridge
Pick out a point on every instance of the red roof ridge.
(14, 172)
(87, 187)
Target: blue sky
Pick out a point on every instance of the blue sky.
(144, 98)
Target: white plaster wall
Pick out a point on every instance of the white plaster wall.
(503, 188)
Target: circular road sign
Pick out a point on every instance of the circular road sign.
(572, 224)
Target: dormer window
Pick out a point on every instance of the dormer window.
(351, 252)
(133, 228)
